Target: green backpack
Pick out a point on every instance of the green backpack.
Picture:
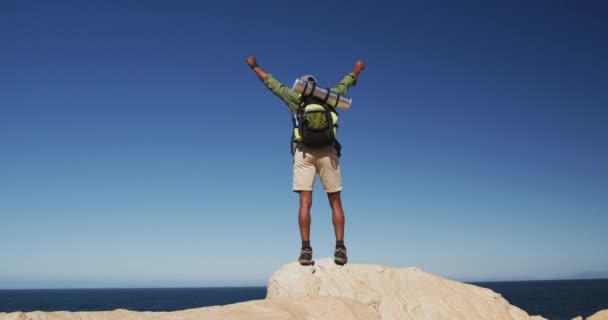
(315, 124)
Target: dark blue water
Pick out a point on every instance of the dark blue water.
(169, 299)
(555, 300)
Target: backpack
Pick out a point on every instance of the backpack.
(315, 124)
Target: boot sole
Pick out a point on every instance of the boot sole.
(306, 262)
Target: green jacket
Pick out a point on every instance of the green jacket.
(293, 99)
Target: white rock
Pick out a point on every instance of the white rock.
(312, 308)
(600, 315)
(328, 291)
(407, 293)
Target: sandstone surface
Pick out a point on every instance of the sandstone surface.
(600, 315)
(350, 292)
(275, 309)
(407, 293)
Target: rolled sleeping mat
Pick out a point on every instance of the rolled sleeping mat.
(334, 99)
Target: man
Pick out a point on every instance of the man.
(309, 161)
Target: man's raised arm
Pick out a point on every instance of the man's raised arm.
(359, 66)
(253, 64)
(350, 79)
(290, 97)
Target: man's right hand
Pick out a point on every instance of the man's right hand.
(358, 67)
(258, 71)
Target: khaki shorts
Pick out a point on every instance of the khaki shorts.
(307, 162)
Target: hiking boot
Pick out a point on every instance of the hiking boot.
(305, 256)
(340, 257)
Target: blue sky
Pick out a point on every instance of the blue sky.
(138, 150)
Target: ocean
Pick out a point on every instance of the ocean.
(555, 299)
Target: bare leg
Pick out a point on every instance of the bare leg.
(304, 214)
(337, 214)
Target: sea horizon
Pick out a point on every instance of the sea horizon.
(264, 285)
(555, 299)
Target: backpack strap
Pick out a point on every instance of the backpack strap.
(312, 90)
(326, 95)
(330, 120)
(330, 123)
(338, 147)
(337, 101)
(298, 123)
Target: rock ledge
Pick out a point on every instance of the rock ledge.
(350, 292)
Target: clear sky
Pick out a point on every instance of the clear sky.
(139, 150)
